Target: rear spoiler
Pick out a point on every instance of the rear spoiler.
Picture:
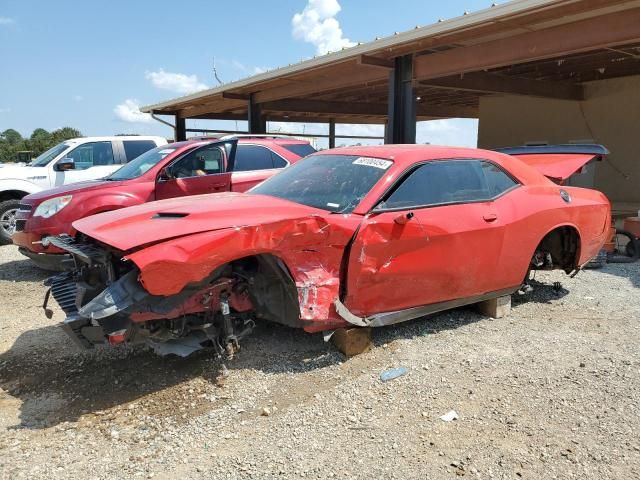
(557, 162)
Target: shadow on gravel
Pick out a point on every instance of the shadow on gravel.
(22, 271)
(459, 317)
(542, 293)
(61, 386)
(630, 271)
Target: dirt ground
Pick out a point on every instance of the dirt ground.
(552, 391)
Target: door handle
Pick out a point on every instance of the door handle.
(490, 217)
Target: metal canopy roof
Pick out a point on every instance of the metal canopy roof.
(545, 48)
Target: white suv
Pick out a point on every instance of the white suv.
(75, 160)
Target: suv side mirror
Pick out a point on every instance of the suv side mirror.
(65, 164)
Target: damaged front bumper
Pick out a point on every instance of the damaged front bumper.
(105, 303)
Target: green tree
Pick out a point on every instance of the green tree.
(63, 134)
(11, 142)
(11, 136)
(39, 141)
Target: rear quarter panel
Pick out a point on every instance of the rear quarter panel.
(531, 212)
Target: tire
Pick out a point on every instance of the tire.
(8, 210)
(631, 253)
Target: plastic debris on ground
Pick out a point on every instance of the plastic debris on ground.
(393, 373)
(449, 416)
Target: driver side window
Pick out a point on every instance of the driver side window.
(207, 160)
(444, 182)
(93, 154)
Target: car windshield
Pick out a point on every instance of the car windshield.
(44, 158)
(336, 183)
(142, 164)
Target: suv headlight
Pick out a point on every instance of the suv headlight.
(50, 207)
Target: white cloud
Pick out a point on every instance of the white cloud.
(78, 98)
(176, 82)
(317, 25)
(129, 111)
(7, 21)
(5, 110)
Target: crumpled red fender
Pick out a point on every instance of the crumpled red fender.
(310, 247)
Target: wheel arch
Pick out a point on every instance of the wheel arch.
(563, 242)
(14, 194)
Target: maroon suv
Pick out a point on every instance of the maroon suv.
(192, 167)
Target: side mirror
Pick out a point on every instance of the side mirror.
(403, 218)
(65, 164)
(165, 175)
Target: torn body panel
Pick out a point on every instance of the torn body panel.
(290, 275)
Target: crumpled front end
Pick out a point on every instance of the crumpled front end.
(105, 303)
(202, 290)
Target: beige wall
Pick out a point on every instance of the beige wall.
(610, 115)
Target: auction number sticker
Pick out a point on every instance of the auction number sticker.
(373, 162)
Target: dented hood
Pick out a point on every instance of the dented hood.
(155, 222)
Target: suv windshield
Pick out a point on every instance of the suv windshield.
(44, 158)
(336, 183)
(142, 164)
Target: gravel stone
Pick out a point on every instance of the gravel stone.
(551, 391)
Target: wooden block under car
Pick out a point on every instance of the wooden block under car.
(495, 307)
(352, 341)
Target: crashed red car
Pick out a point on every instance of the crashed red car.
(358, 236)
(205, 165)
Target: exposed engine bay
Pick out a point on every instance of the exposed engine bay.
(104, 302)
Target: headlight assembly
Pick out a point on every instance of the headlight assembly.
(50, 207)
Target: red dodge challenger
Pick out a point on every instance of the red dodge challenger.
(364, 236)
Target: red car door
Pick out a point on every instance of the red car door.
(252, 165)
(198, 172)
(436, 237)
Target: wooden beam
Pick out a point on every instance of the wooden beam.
(375, 61)
(401, 103)
(373, 109)
(491, 83)
(235, 96)
(219, 106)
(180, 133)
(585, 35)
(348, 78)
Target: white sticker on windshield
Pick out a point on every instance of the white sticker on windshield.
(333, 205)
(166, 151)
(373, 162)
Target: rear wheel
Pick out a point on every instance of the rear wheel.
(8, 212)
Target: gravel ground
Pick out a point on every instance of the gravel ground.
(552, 391)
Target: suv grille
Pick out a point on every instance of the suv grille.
(20, 224)
(25, 207)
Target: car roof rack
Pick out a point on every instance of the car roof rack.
(575, 148)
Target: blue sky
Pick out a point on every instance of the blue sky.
(88, 64)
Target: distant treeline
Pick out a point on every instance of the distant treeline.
(11, 142)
